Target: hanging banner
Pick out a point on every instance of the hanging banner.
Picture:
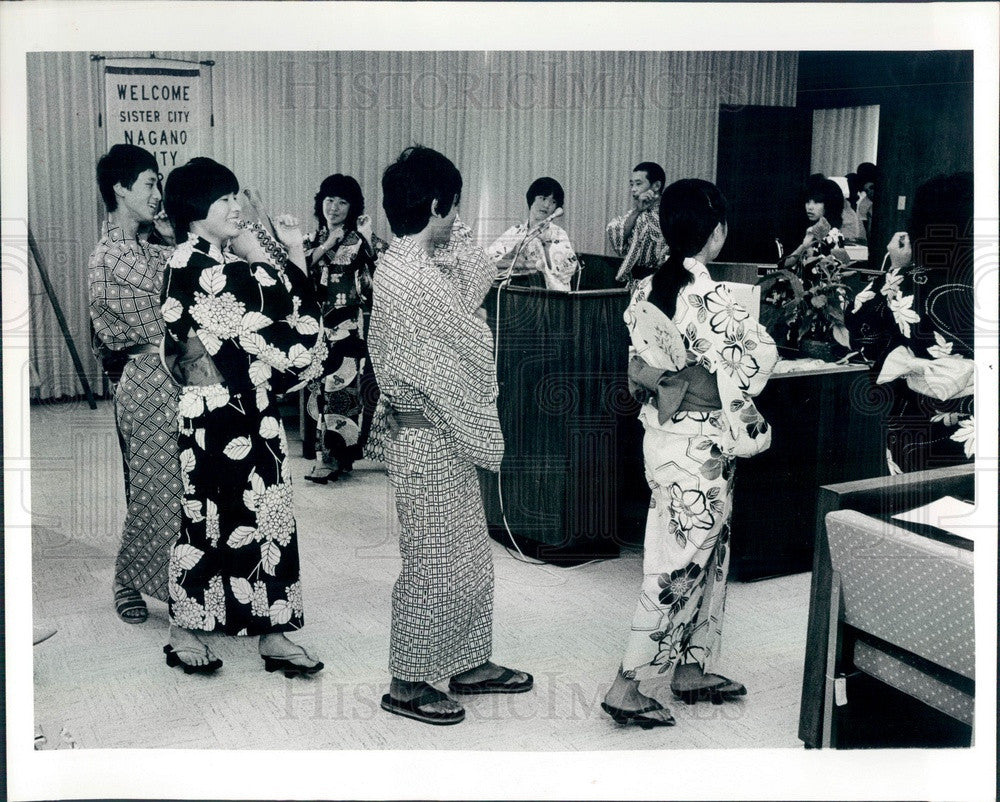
(155, 104)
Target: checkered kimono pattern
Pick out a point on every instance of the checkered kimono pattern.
(689, 463)
(235, 567)
(644, 249)
(432, 355)
(125, 276)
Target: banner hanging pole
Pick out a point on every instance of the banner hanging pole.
(36, 254)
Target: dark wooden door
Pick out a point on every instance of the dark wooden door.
(763, 161)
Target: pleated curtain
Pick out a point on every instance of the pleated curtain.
(285, 120)
(844, 138)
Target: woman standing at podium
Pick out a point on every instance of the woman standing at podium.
(697, 359)
(538, 251)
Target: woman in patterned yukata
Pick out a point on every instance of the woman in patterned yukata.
(126, 274)
(241, 327)
(697, 358)
(915, 323)
(433, 357)
(543, 251)
(341, 258)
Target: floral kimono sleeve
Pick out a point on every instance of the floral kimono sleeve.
(563, 259)
(178, 296)
(280, 328)
(504, 245)
(724, 338)
(616, 234)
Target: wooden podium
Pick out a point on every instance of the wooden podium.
(571, 487)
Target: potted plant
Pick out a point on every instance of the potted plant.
(803, 305)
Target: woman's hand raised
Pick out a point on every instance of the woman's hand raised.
(287, 230)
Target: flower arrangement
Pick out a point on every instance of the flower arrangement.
(807, 299)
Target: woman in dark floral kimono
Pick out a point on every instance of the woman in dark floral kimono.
(241, 327)
(341, 257)
(697, 359)
(915, 324)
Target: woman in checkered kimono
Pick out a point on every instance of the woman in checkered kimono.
(433, 360)
(240, 328)
(697, 359)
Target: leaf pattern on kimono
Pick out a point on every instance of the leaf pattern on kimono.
(241, 536)
(254, 321)
(199, 438)
(186, 556)
(192, 509)
(259, 372)
(280, 612)
(217, 400)
(210, 341)
(307, 324)
(252, 343)
(263, 278)
(212, 280)
(171, 310)
(269, 427)
(299, 355)
(242, 591)
(270, 556)
(238, 448)
(187, 460)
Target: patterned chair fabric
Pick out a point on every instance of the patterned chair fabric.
(912, 592)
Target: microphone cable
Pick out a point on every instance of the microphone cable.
(503, 512)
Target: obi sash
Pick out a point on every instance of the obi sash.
(690, 389)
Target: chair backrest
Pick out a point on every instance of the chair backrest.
(911, 591)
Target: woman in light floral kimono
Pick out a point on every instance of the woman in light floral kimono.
(239, 329)
(915, 324)
(341, 256)
(538, 251)
(697, 359)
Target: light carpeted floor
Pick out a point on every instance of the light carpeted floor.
(106, 683)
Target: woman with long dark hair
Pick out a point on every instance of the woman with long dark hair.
(341, 255)
(697, 359)
(242, 325)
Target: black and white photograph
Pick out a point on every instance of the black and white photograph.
(500, 400)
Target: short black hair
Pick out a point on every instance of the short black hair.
(122, 165)
(542, 188)
(653, 173)
(412, 183)
(342, 186)
(868, 172)
(822, 190)
(192, 188)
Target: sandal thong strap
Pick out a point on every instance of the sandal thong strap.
(129, 604)
(300, 651)
(430, 695)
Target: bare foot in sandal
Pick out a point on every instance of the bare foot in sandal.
(190, 649)
(404, 691)
(281, 654)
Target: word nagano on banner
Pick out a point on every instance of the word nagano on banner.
(155, 104)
